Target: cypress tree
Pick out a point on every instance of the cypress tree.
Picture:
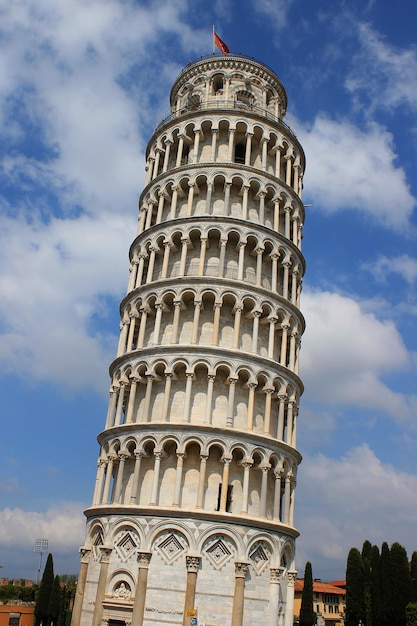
(413, 578)
(376, 598)
(42, 603)
(307, 614)
(355, 611)
(367, 596)
(366, 550)
(400, 579)
(54, 601)
(386, 586)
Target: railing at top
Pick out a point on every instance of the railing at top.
(221, 103)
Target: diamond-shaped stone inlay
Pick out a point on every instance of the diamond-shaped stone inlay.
(218, 553)
(170, 548)
(259, 555)
(126, 545)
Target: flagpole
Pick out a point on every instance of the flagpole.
(212, 39)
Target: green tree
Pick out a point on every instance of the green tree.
(307, 614)
(411, 614)
(400, 579)
(376, 598)
(54, 601)
(387, 616)
(367, 594)
(413, 578)
(42, 602)
(355, 611)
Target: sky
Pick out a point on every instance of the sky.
(83, 83)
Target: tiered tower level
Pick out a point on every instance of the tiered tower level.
(194, 501)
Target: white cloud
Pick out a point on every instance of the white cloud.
(350, 168)
(73, 115)
(338, 502)
(63, 525)
(404, 265)
(347, 353)
(382, 73)
(53, 279)
(275, 10)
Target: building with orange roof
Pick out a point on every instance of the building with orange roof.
(329, 601)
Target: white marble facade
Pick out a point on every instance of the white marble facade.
(193, 507)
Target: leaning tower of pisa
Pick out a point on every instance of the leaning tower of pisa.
(192, 519)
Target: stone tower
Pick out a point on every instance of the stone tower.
(192, 515)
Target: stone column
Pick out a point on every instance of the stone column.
(231, 144)
(193, 564)
(132, 278)
(196, 145)
(165, 260)
(135, 486)
(277, 495)
(187, 400)
(251, 404)
(208, 198)
(197, 308)
(109, 474)
(271, 338)
(227, 198)
(179, 151)
(120, 400)
(281, 414)
(241, 570)
(264, 153)
(139, 275)
(268, 402)
(264, 487)
(144, 559)
(276, 214)
(101, 586)
(247, 464)
(143, 318)
(148, 396)
(101, 466)
(175, 322)
(289, 604)
(155, 479)
(157, 326)
(274, 582)
(259, 253)
(245, 202)
(241, 261)
(190, 199)
(133, 317)
(132, 397)
(167, 395)
(201, 481)
(119, 480)
(178, 479)
(168, 144)
(236, 329)
(225, 483)
(231, 401)
(124, 326)
(256, 318)
(283, 355)
(203, 248)
(183, 259)
(174, 202)
(112, 408)
(209, 401)
(216, 323)
(222, 257)
(161, 201)
(213, 144)
(153, 250)
(248, 148)
(79, 593)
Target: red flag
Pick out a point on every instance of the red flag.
(220, 44)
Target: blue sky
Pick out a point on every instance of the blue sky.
(82, 86)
